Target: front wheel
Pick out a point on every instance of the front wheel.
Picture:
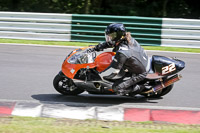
(65, 85)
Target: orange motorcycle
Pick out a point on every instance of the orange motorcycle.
(82, 67)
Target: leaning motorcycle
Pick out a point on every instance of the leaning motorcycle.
(82, 67)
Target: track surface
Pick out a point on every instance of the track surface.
(27, 72)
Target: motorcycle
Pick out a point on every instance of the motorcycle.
(82, 67)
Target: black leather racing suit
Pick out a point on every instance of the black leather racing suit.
(130, 58)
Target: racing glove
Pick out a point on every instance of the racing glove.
(102, 46)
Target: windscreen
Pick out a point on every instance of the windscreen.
(82, 57)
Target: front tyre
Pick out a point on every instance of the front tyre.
(65, 85)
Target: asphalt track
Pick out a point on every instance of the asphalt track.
(27, 72)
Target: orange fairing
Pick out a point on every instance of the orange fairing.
(71, 69)
(103, 60)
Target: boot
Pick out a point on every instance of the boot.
(137, 89)
(119, 91)
(132, 81)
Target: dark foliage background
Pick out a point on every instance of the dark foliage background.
(148, 8)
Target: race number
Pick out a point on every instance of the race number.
(168, 69)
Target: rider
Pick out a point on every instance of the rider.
(130, 62)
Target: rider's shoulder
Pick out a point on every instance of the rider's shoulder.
(122, 52)
(123, 47)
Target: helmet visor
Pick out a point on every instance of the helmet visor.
(110, 37)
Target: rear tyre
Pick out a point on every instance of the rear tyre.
(65, 86)
(166, 90)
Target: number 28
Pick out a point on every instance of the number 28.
(168, 69)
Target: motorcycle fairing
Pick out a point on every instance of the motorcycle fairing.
(70, 67)
(104, 60)
(164, 66)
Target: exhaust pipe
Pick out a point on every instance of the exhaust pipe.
(164, 84)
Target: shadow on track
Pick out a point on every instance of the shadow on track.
(90, 99)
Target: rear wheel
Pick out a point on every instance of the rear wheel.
(65, 85)
(166, 90)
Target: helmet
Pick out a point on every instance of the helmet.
(115, 32)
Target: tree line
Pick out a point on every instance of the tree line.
(146, 8)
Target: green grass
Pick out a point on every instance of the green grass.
(51, 125)
(175, 49)
(46, 42)
(193, 50)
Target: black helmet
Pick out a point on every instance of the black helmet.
(115, 32)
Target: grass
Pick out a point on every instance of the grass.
(51, 125)
(193, 50)
(175, 49)
(46, 42)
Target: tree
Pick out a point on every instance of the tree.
(148, 8)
